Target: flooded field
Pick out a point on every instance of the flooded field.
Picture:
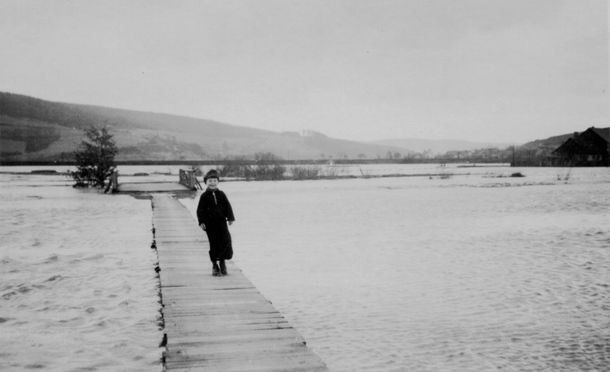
(78, 290)
(466, 269)
(465, 273)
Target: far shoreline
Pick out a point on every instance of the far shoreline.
(464, 162)
(317, 177)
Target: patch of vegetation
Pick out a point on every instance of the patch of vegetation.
(266, 166)
(305, 173)
(95, 158)
(565, 177)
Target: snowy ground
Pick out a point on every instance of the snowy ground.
(470, 273)
(468, 269)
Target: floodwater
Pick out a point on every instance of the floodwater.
(465, 270)
(78, 289)
(479, 272)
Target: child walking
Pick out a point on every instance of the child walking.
(213, 213)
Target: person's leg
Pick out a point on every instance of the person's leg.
(223, 267)
(214, 257)
(215, 267)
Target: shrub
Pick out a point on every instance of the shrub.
(304, 173)
(267, 172)
(236, 168)
(266, 167)
(95, 158)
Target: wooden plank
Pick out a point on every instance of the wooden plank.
(217, 323)
(148, 187)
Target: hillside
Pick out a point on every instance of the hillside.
(548, 143)
(33, 129)
(438, 146)
(36, 130)
(539, 148)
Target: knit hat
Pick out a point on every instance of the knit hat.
(212, 173)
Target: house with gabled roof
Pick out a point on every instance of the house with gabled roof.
(590, 148)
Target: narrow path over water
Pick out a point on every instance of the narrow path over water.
(217, 323)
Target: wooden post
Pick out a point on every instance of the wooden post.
(189, 179)
(183, 177)
(113, 182)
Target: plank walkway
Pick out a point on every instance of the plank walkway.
(217, 323)
(151, 187)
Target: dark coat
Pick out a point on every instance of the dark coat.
(214, 210)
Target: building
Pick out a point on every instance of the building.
(590, 148)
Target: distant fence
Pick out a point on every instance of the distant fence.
(189, 179)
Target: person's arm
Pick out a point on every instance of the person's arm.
(201, 213)
(229, 210)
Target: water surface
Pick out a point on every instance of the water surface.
(78, 290)
(466, 269)
(478, 272)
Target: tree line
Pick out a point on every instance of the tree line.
(95, 161)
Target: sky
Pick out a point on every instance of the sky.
(483, 70)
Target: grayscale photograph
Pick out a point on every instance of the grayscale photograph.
(305, 185)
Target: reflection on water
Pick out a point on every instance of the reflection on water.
(467, 273)
(78, 290)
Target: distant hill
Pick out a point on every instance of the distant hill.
(547, 143)
(541, 147)
(438, 146)
(33, 129)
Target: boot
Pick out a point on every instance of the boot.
(223, 267)
(215, 269)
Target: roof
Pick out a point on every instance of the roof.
(583, 143)
(602, 132)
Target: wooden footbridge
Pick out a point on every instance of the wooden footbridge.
(216, 323)
(187, 181)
